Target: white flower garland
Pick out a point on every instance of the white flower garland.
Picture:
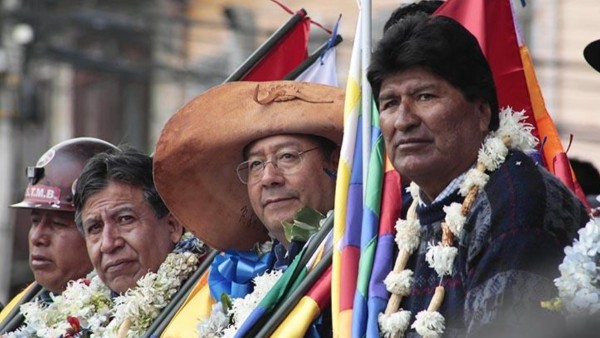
(218, 323)
(138, 307)
(90, 303)
(87, 299)
(513, 133)
(579, 281)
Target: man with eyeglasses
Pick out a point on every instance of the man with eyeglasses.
(240, 159)
(285, 173)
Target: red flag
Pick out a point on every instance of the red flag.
(492, 23)
(285, 56)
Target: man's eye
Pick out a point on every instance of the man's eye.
(255, 165)
(126, 219)
(93, 229)
(387, 104)
(425, 97)
(60, 224)
(287, 157)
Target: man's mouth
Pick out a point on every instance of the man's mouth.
(410, 143)
(273, 201)
(117, 265)
(40, 261)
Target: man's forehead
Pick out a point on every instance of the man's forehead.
(115, 196)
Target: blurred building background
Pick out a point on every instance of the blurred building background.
(118, 69)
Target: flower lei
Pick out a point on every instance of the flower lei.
(85, 308)
(228, 314)
(579, 281)
(513, 133)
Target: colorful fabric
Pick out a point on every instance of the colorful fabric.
(394, 196)
(307, 311)
(197, 305)
(285, 286)
(232, 272)
(348, 202)
(508, 255)
(369, 225)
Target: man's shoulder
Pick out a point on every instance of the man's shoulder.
(531, 197)
(520, 176)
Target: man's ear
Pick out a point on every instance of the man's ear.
(485, 115)
(175, 228)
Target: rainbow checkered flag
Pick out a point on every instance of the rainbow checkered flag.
(358, 202)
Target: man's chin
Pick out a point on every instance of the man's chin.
(49, 283)
(121, 284)
(274, 224)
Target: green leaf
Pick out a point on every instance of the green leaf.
(226, 301)
(306, 222)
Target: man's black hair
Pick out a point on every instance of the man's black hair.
(423, 6)
(123, 165)
(442, 46)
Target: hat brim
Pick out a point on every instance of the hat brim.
(201, 145)
(591, 53)
(43, 206)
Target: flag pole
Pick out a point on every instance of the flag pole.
(289, 303)
(15, 318)
(366, 93)
(312, 58)
(258, 54)
(311, 247)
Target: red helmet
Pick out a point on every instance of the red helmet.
(52, 179)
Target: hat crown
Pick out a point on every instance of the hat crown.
(284, 92)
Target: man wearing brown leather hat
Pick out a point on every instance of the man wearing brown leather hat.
(243, 157)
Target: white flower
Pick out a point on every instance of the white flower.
(441, 258)
(413, 188)
(394, 324)
(455, 218)
(579, 273)
(407, 234)
(89, 301)
(513, 125)
(215, 324)
(493, 153)
(429, 324)
(399, 283)
(473, 178)
(242, 307)
(266, 247)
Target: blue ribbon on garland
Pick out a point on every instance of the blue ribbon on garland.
(232, 272)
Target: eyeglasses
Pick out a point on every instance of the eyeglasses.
(287, 162)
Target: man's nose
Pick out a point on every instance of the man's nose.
(405, 118)
(40, 233)
(271, 174)
(111, 238)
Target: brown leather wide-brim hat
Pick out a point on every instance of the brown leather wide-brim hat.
(591, 53)
(201, 145)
